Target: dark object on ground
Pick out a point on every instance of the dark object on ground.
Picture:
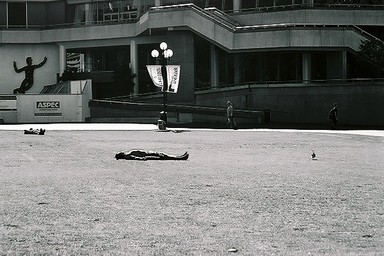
(161, 125)
(35, 131)
(149, 155)
(313, 155)
(162, 122)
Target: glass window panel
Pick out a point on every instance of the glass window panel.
(283, 2)
(319, 64)
(248, 4)
(168, 2)
(215, 3)
(16, 14)
(265, 3)
(202, 65)
(52, 15)
(199, 3)
(228, 5)
(3, 15)
(36, 13)
(79, 14)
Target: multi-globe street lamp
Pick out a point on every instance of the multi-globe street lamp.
(163, 57)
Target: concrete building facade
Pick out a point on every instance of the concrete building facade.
(273, 49)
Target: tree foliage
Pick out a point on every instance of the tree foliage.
(373, 51)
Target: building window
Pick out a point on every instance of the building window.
(228, 5)
(145, 58)
(245, 5)
(37, 13)
(3, 14)
(17, 14)
(215, 3)
(113, 11)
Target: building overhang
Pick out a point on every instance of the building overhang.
(229, 37)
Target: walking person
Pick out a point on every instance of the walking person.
(333, 117)
(230, 116)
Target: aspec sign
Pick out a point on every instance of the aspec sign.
(47, 105)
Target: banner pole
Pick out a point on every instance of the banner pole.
(165, 87)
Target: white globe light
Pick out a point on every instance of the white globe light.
(155, 53)
(168, 53)
(163, 46)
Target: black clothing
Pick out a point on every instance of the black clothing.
(149, 155)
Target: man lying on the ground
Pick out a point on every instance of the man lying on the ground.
(149, 155)
(35, 131)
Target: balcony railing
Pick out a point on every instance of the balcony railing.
(287, 83)
(133, 17)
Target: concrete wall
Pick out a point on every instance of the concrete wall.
(56, 108)
(8, 109)
(358, 104)
(45, 75)
(201, 24)
(182, 44)
(315, 16)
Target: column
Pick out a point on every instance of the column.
(337, 65)
(62, 59)
(236, 5)
(134, 65)
(344, 65)
(26, 14)
(88, 61)
(214, 67)
(238, 69)
(87, 13)
(309, 2)
(157, 3)
(306, 66)
(6, 14)
(137, 3)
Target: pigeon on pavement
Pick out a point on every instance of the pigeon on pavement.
(313, 155)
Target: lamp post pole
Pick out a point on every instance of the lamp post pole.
(165, 86)
(163, 56)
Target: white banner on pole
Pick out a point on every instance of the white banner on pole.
(173, 78)
(155, 74)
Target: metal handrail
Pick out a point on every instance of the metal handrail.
(180, 108)
(306, 6)
(223, 16)
(66, 25)
(365, 33)
(204, 12)
(198, 10)
(350, 81)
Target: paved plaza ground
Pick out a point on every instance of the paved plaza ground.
(256, 191)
